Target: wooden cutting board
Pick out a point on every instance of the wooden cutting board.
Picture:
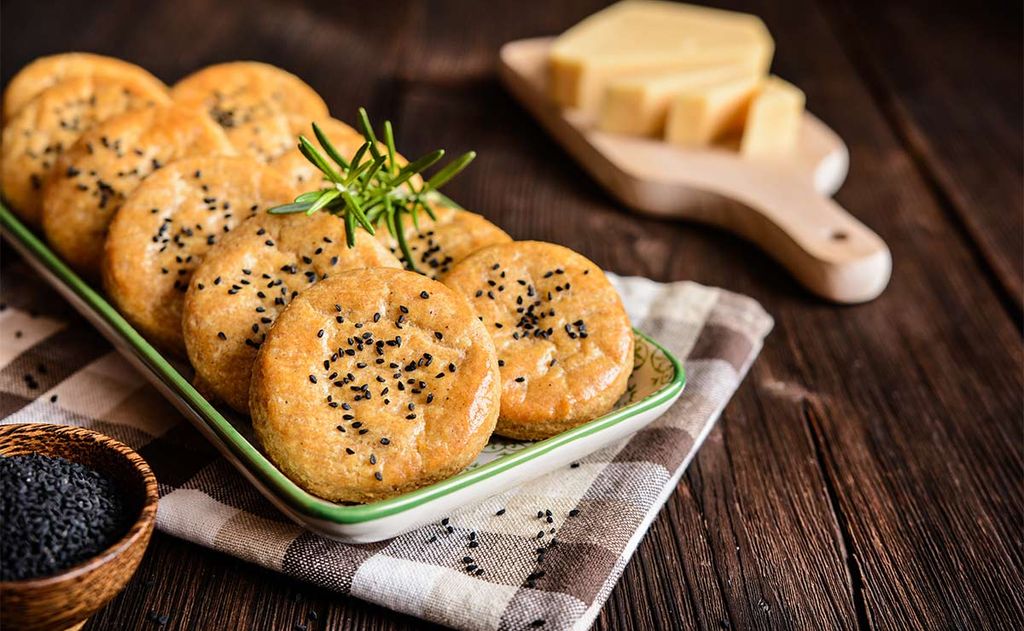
(785, 204)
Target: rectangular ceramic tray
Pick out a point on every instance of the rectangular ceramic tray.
(656, 382)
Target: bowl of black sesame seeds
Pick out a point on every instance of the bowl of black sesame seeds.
(77, 509)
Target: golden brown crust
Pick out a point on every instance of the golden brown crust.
(46, 72)
(51, 122)
(93, 177)
(560, 330)
(438, 245)
(166, 226)
(374, 383)
(260, 107)
(246, 280)
(300, 171)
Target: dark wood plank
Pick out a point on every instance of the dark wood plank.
(914, 402)
(948, 78)
(867, 474)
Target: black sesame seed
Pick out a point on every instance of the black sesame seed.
(56, 514)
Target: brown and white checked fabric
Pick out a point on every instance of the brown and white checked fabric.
(55, 368)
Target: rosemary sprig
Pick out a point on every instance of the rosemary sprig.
(371, 187)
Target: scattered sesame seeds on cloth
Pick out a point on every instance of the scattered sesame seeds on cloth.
(544, 555)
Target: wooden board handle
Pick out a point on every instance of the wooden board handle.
(825, 247)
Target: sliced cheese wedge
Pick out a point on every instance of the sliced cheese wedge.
(701, 115)
(773, 119)
(636, 36)
(639, 105)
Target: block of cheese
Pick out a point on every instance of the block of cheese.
(639, 105)
(639, 36)
(773, 119)
(701, 115)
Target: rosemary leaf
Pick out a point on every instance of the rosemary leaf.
(287, 209)
(372, 187)
(325, 142)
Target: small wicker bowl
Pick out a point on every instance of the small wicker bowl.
(66, 600)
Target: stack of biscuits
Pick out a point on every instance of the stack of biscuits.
(363, 380)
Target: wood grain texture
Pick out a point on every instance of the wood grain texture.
(868, 474)
(948, 80)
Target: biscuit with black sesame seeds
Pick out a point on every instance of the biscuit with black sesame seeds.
(46, 72)
(563, 338)
(260, 107)
(437, 245)
(93, 178)
(166, 226)
(246, 280)
(374, 383)
(35, 137)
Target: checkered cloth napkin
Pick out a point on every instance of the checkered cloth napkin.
(55, 368)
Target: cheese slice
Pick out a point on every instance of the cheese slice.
(639, 105)
(773, 119)
(640, 36)
(701, 115)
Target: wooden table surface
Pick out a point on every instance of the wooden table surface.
(868, 473)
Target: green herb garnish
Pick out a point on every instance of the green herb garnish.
(371, 187)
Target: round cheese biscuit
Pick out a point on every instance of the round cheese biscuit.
(92, 178)
(374, 383)
(51, 122)
(166, 226)
(250, 277)
(437, 246)
(563, 338)
(260, 107)
(47, 72)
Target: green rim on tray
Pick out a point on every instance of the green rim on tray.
(258, 464)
